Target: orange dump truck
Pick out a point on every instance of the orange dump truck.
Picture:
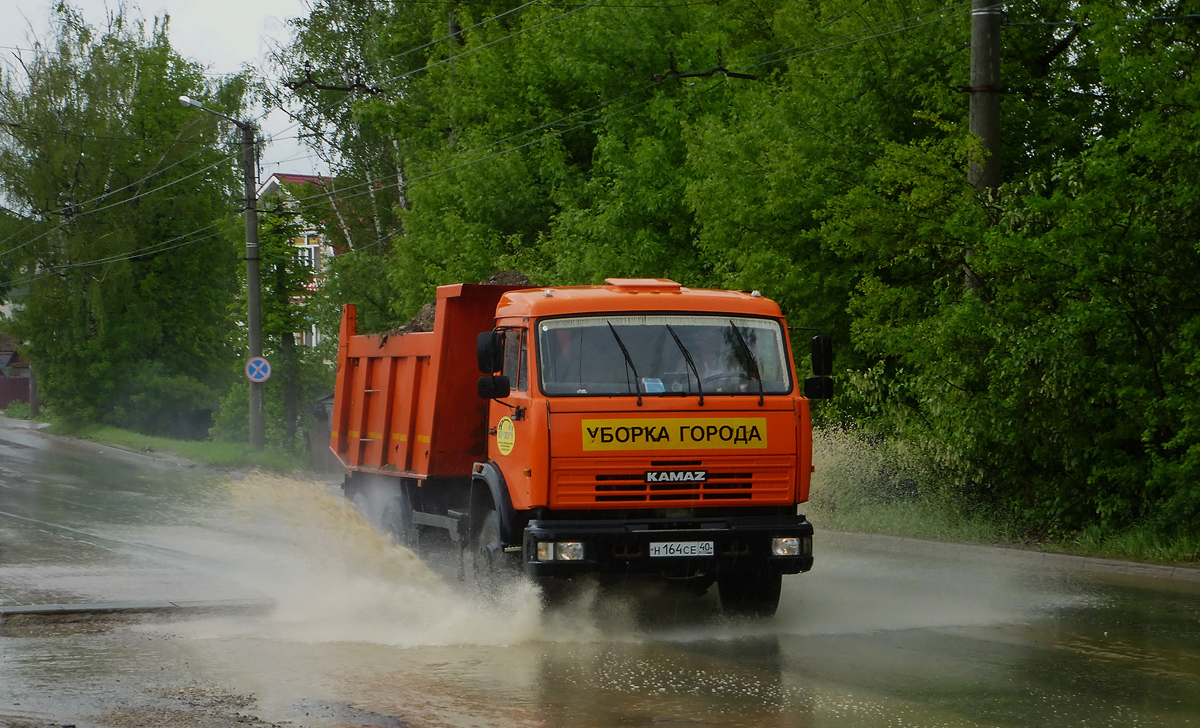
(638, 427)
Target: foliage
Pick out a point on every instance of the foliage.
(120, 215)
(1065, 390)
(17, 410)
(1034, 347)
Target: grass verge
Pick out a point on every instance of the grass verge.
(915, 519)
(931, 520)
(214, 454)
(870, 486)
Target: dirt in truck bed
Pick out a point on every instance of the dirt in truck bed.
(423, 321)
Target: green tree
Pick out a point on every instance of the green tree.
(123, 266)
(817, 152)
(1065, 390)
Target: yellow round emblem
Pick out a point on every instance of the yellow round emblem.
(506, 435)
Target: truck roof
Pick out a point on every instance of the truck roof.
(631, 294)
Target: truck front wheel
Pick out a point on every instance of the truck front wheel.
(753, 594)
(486, 561)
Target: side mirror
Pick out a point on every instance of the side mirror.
(489, 349)
(494, 387)
(818, 388)
(822, 355)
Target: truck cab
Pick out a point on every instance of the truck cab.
(649, 428)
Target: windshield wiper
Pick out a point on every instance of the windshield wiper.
(687, 357)
(628, 360)
(752, 369)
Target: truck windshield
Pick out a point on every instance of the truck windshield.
(729, 355)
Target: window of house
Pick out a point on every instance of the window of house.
(309, 253)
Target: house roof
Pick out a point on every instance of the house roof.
(274, 183)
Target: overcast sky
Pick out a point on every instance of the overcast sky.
(221, 34)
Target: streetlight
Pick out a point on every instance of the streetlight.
(253, 290)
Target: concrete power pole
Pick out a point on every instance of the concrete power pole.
(985, 90)
(986, 16)
(253, 285)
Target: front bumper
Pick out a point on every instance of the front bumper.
(740, 544)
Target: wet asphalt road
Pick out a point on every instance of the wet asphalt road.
(883, 632)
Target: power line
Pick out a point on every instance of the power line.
(449, 59)
(311, 200)
(50, 52)
(98, 198)
(127, 200)
(1059, 23)
(477, 25)
(806, 49)
(408, 52)
(110, 137)
(154, 249)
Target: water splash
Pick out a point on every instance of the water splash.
(335, 579)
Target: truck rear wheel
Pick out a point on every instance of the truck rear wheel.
(396, 519)
(753, 594)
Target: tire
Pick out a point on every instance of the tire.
(486, 563)
(396, 519)
(754, 594)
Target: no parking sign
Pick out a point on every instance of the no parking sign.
(258, 369)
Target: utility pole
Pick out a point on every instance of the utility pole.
(986, 17)
(258, 427)
(35, 401)
(258, 430)
(985, 90)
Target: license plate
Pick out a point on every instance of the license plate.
(682, 548)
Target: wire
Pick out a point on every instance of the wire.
(1153, 19)
(489, 145)
(84, 213)
(49, 52)
(160, 247)
(114, 137)
(453, 36)
(311, 200)
(805, 49)
(232, 156)
(302, 122)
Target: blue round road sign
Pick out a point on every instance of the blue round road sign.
(258, 369)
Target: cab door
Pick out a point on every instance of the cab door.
(512, 442)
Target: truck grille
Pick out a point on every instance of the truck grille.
(576, 484)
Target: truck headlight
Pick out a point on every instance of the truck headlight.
(568, 551)
(560, 551)
(787, 546)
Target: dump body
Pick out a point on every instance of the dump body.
(637, 427)
(406, 404)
